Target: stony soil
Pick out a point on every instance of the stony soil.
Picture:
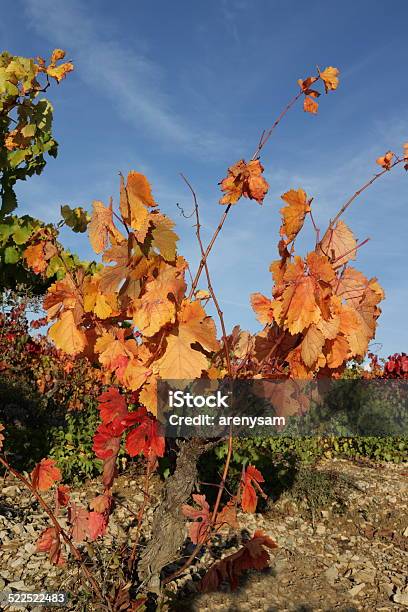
(341, 547)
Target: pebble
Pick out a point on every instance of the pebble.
(19, 585)
(332, 574)
(356, 590)
(11, 490)
(401, 598)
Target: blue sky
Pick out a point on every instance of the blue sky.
(167, 87)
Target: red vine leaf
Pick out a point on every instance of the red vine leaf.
(107, 439)
(146, 438)
(97, 524)
(249, 497)
(79, 519)
(228, 516)
(49, 542)
(198, 529)
(112, 406)
(62, 495)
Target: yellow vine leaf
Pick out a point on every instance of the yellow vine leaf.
(300, 303)
(180, 361)
(196, 326)
(148, 395)
(329, 328)
(66, 334)
(298, 370)
(330, 78)
(135, 199)
(103, 305)
(163, 237)
(320, 267)
(113, 349)
(386, 160)
(153, 310)
(35, 257)
(53, 70)
(62, 295)
(135, 374)
(101, 227)
(60, 72)
(293, 215)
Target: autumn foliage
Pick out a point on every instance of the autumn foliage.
(137, 320)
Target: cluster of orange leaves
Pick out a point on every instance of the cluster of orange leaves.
(387, 160)
(142, 281)
(330, 78)
(323, 312)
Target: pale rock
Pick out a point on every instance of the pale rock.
(366, 574)
(11, 490)
(19, 586)
(401, 598)
(332, 574)
(356, 590)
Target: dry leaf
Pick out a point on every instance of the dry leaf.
(244, 179)
(293, 215)
(330, 78)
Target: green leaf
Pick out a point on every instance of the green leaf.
(16, 157)
(76, 218)
(6, 229)
(11, 255)
(29, 130)
(22, 234)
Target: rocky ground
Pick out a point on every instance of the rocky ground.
(342, 531)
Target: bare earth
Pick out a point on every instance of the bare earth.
(351, 555)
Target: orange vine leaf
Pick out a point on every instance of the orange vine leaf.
(45, 475)
(244, 179)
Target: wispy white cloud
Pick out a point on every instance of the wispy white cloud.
(131, 80)
(229, 16)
